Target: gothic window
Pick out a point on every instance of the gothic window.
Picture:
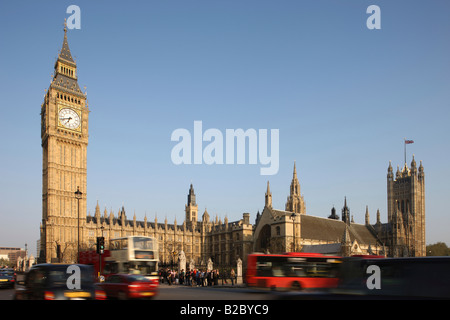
(278, 231)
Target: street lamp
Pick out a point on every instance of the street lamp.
(293, 216)
(78, 195)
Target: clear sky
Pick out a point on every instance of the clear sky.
(342, 96)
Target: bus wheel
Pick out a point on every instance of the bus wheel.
(296, 286)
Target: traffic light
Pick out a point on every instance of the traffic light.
(100, 245)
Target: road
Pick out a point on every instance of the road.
(177, 292)
(6, 294)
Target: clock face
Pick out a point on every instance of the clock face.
(69, 118)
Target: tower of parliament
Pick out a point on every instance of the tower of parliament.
(66, 227)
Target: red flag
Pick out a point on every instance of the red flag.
(409, 141)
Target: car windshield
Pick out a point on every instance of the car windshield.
(137, 277)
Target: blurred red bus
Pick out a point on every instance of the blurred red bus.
(292, 271)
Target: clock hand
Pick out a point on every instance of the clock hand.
(67, 119)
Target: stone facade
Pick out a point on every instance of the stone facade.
(405, 231)
(223, 242)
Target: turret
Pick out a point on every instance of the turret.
(367, 216)
(333, 214)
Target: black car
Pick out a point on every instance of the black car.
(59, 282)
(7, 279)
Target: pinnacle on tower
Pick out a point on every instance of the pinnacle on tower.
(268, 202)
(295, 170)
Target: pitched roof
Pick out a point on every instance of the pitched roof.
(330, 230)
(331, 248)
(325, 229)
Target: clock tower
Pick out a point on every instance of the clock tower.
(64, 135)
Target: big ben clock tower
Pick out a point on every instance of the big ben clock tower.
(64, 134)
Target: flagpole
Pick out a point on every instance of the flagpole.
(407, 142)
(404, 143)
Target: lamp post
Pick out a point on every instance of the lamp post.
(293, 217)
(78, 195)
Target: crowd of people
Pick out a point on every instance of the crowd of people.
(196, 277)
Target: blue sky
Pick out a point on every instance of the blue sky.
(342, 96)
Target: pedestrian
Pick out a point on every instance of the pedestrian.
(161, 275)
(188, 277)
(197, 278)
(216, 278)
(210, 278)
(193, 277)
(169, 277)
(202, 278)
(182, 276)
(232, 276)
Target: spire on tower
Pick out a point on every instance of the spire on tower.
(295, 202)
(346, 212)
(191, 196)
(65, 51)
(295, 170)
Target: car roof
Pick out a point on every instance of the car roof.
(59, 266)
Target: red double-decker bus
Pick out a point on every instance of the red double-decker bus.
(132, 254)
(292, 271)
